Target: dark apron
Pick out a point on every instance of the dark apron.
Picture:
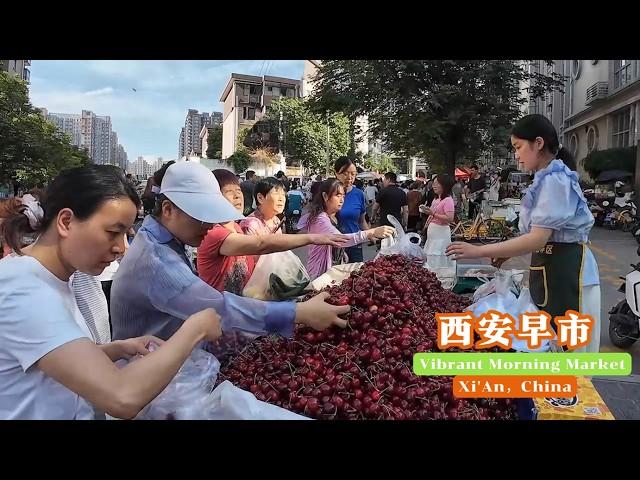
(555, 278)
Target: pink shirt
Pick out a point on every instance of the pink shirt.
(255, 224)
(442, 207)
(319, 256)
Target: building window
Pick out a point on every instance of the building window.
(620, 129)
(575, 69)
(253, 89)
(621, 73)
(594, 62)
(248, 113)
(592, 139)
(283, 91)
(573, 144)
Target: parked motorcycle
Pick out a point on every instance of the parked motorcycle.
(597, 211)
(624, 318)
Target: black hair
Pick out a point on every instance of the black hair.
(533, 126)
(415, 185)
(342, 163)
(157, 208)
(225, 177)
(474, 166)
(280, 174)
(330, 186)
(391, 177)
(446, 182)
(249, 174)
(421, 174)
(265, 185)
(159, 174)
(81, 189)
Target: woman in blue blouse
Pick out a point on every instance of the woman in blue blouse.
(555, 222)
(351, 217)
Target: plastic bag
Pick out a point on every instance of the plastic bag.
(504, 300)
(406, 244)
(285, 265)
(228, 402)
(485, 289)
(191, 396)
(187, 395)
(335, 274)
(511, 214)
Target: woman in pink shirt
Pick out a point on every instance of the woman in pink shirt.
(321, 218)
(440, 214)
(270, 198)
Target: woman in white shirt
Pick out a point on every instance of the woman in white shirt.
(49, 366)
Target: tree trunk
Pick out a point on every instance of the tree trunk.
(16, 188)
(352, 136)
(450, 168)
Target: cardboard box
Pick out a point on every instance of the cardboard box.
(586, 405)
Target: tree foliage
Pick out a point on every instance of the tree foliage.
(302, 134)
(600, 161)
(32, 150)
(214, 143)
(440, 110)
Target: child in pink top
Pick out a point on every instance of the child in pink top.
(320, 218)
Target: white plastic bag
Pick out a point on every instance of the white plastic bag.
(187, 395)
(504, 300)
(525, 304)
(336, 274)
(228, 402)
(485, 289)
(285, 265)
(405, 244)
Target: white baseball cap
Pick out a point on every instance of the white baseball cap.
(195, 190)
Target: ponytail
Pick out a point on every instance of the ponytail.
(567, 157)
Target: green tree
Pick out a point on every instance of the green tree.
(214, 143)
(380, 163)
(600, 161)
(304, 134)
(240, 160)
(32, 150)
(441, 110)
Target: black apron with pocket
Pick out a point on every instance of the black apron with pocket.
(555, 278)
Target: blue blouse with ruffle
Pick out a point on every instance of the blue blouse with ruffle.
(555, 201)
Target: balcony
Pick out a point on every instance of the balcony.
(596, 93)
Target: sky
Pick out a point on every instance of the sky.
(148, 120)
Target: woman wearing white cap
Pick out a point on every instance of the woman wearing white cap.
(156, 287)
